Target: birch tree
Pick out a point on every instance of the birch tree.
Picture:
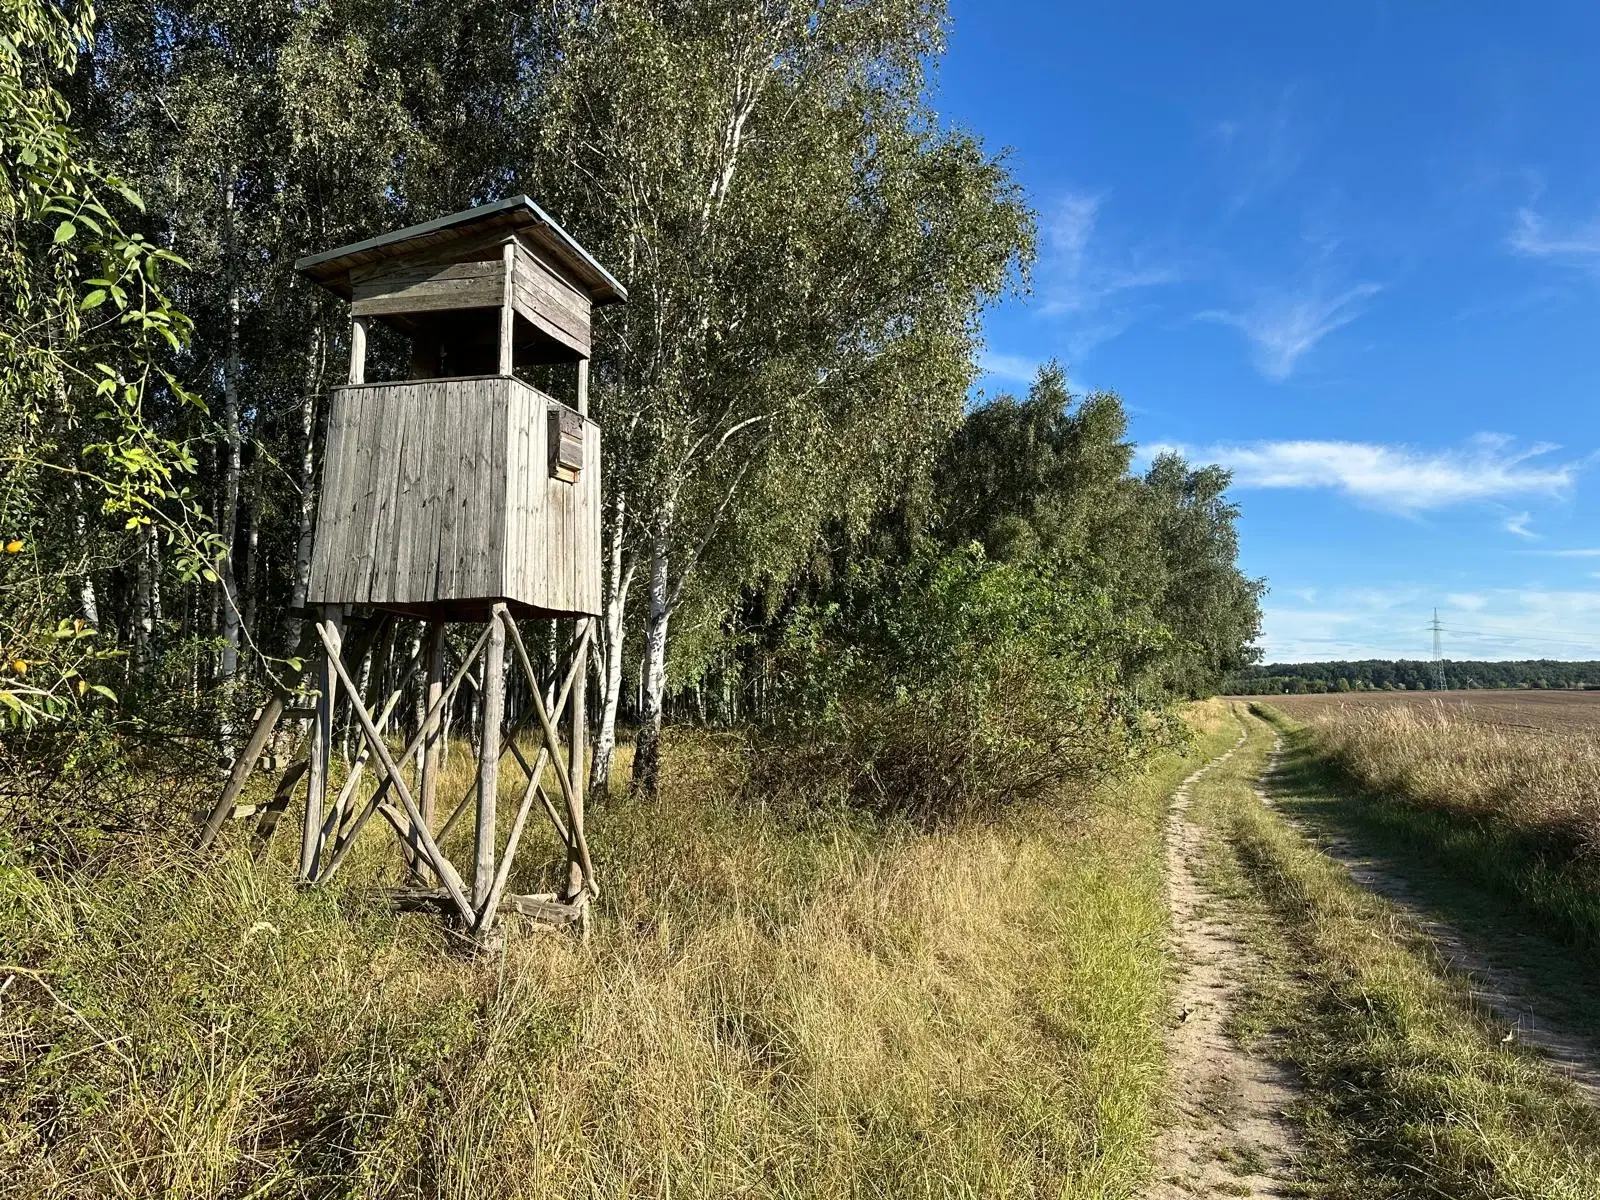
(806, 251)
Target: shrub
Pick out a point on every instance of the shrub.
(965, 685)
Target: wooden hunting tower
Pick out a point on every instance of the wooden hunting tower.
(462, 492)
(464, 484)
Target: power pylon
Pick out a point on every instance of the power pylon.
(1439, 684)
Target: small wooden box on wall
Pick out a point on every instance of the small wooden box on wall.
(566, 443)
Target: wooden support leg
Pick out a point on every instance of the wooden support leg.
(433, 728)
(489, 762)
(532, 790)
(577, 732)
(395, 779)
(321, 744)
(242, 766)
(280, 801)
(423, 835)
(563, 775)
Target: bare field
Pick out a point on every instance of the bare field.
(1557, 712)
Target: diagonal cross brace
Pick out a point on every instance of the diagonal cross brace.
(429, 847)
(563, 776)
(492, 902)
(348, 839)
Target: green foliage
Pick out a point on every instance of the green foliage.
(1047, 479)
(84, 326)
(954, 683)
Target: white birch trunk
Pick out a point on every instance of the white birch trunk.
(619, 583)
(228, 525)
(311, 387)
(647, 752)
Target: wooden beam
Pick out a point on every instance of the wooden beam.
(274, 809)
(511, 747)
(545, 910)
(575, 673)
(440, 864)
(493, 705)
(583, 387)
(508, 309)
(321, 739)
(576, 869)
(433, 728)
(271, 712)
(358, 349)
(563, 775)
(348, 840)
(357, 769)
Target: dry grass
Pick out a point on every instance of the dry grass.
(772, 1005)
(1555, 711)
(1411, 1089)
(1543, 784)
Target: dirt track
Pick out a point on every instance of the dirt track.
(1229, 1134)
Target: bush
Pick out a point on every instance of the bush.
(967, 685)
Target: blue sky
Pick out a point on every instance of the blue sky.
(1351, 251)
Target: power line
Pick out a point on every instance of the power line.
(1495, 635)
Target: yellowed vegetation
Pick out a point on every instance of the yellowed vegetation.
(773, 1004)
(1412, 1089)
(1542, 781)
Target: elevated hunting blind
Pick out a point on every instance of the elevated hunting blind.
(463, 492)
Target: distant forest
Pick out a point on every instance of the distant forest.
(1273, 679)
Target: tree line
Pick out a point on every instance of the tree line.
(1272, 679)
(793, 468)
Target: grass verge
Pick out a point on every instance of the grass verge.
(1520, 907)
(1516, 811)
(772, 1005)
(1409, 1090)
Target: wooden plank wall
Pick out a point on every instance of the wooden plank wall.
(441, 490)
(550, 302)
(430, 288)
(553, 526)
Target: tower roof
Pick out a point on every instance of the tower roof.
(518, 215)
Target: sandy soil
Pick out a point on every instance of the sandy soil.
(1229, 1135)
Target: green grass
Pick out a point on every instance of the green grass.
(1521, 908)
(1409, 1091)
(1508, 812)
(772, 1005)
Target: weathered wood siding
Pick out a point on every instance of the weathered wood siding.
(431, 288)
(440, 491)
(546, 298)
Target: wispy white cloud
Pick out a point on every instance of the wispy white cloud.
(1013, 368)
(1084, 284)
(1577, 244)
(1394, 478)
(1469, 601)
(1262, 148)
(1518, 524)
(1582, 552)
(1285, 326)
(1077, 276)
